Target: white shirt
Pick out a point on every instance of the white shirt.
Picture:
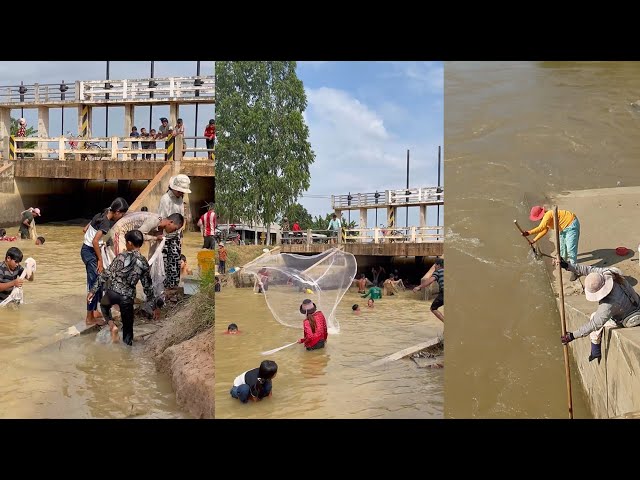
(240, 380)
(169, 204)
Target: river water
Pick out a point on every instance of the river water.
(527, 130)
(337, 381)
(77, 377)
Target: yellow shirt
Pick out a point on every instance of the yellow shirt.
(565, 217)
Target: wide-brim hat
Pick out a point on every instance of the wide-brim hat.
(181, 183)
(536, 213)
(597, 286)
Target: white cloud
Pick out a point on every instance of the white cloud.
(420, 77)
(357, 153)
(312, 64)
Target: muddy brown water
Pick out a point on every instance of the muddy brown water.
(77, 377)
(528, 130)
(338, 381)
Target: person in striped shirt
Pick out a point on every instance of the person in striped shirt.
(207, 224)
(436, 276)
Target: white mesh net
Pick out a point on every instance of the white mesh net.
(17, 296)
(287, 279)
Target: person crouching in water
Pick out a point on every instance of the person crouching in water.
(314, 325)
(120, 281)
(255, 384)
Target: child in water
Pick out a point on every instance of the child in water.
(255, 384)
(232, 329)
(314, 326)
(356, 308)
(40, 241)
(119, 282)
(370, 303)
(184, 268)
(4, 238)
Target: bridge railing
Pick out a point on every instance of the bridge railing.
(425, 234)
(366, 235)
(103, 148)
(307, 237)
(415, 196)
(38, 93)
(399, 198)
(141, 89)
(128, 90)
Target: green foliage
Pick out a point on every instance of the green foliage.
(263, 153)
(29, 133)
(294, 212)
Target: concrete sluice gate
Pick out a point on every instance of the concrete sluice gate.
(62, 200)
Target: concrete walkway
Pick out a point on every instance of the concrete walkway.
(609, 218)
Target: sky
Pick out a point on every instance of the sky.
(12, 73)
(362, 118)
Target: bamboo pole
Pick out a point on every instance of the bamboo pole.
(565, 348)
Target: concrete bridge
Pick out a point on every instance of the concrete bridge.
(80, 174)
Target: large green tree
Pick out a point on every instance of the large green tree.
(263, 152)
(31, 132)
(294, 212)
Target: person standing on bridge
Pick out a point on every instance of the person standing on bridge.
(22, 132)
(210, 135)
(618, 303)
(437, 276)
(91, 254)
(163, 132)
(179, 130)
(27, 221)
(285, 228)
(334, 227)
(207, 224)
(569, 231)
(170, 203)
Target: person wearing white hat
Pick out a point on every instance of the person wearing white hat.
(618, 304)
(173, 202)
(26, 221)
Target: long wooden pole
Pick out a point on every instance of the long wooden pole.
(565, 348)
(528, 241)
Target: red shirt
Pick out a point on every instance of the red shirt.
(310, 337)
(210, 132)
(296, 227)
(208, 223)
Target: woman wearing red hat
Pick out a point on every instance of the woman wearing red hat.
(569, 231)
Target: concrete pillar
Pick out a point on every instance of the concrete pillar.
(129, 121)
(5, 131)
(391, 217)
(363, 221)
(129, 118)
(85, 124)
(423, 215)
(174, 113)
(43, 129)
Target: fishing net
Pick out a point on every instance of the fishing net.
(117, 245)
(287, 279)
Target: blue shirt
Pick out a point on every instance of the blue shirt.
(334, 224)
